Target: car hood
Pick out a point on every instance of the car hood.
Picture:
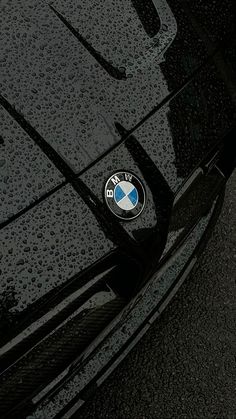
(128, 87)
(71, 71)
(80, 78)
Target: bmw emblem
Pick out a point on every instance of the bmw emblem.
(125, 195)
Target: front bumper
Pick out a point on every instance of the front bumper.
(96, 336)
(65, 395)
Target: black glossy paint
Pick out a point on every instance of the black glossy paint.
(88, 89)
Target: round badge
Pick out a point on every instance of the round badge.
(125, 195)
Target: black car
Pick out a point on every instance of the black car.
(117, 137)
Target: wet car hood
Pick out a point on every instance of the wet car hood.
(76, 78)
(74, 70)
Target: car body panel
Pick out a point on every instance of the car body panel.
(26, 173)
(78, 383)
(76, 108)
(66, 95)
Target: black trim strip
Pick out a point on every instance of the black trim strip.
(114, 72)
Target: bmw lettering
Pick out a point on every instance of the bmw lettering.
(125, 195)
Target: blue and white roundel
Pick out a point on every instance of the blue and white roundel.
(125, 195)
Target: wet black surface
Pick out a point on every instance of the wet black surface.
(42, 249)
(150, 90)
(185, 366)
(74, 69)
